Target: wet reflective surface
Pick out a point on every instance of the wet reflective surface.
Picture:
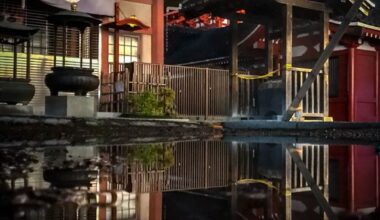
(191, 180)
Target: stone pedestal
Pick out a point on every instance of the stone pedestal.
(15, 110)
(70, 106)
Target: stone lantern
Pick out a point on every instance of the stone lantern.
(65, 78)
(15, 89)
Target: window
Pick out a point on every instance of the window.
(128, 48)
(43, 41)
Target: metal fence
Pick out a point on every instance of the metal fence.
(201, 93)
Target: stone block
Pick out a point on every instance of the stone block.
(70, 106)
(15, 109)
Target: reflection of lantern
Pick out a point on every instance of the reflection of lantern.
(72, 79)
(15, 89)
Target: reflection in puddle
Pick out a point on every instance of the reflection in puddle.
(187, 180)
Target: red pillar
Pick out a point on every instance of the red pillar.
(158, 31)
(104, 50)
(116, 40)
(155, 206)
(351, 152)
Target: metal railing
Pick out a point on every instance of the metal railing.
(201, 93)
(313, 104)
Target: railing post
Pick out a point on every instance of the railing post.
(126, 90)
(325, 42)
(207, 95)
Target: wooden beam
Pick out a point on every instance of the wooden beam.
(317, 6)
(322, 60)
(234, 68)
(286, 184)
(234, 178)
(325, 41)
(269, 48)
(287, 52)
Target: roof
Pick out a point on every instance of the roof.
(187, 45)
(16, 30)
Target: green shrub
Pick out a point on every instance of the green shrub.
(153, 153)
(145, 104)
(167, 96)
(149, 104)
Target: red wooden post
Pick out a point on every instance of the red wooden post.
(158, 31)
(116, 41)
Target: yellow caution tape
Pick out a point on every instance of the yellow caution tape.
(265, 182)
(288, 66)
(254, 77)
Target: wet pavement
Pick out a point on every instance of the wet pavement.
(191, 180)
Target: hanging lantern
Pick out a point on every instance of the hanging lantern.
(16, 89)
(78, 80)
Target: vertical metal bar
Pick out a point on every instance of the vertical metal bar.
(14, 59)
(312, 166)
(312, 97)
(55, 45)
(64, 46)
(28, 59)
(81, 48)
(206, 94)
(90, 47)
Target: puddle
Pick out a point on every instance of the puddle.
(191, 180)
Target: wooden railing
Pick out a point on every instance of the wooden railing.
(314, 103)
(315, 158)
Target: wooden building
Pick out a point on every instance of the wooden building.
(130, 46)
(354, 97)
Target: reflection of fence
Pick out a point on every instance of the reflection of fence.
(314, 102)
(200, 92)
(209, 164)
(197, 165)
(315, 157)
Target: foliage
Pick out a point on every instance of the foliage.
(166, 99)
(150, 104)
(153, 153)
(145, 103)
